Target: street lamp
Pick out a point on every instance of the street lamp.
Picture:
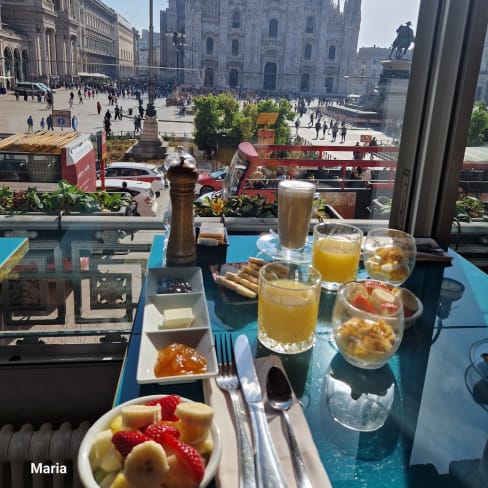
(178, 40)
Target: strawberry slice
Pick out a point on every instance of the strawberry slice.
(168, 406)
(362, 302)
(125, 440)
(156, 431)
(187, 456)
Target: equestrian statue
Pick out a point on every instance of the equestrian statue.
(402, 42)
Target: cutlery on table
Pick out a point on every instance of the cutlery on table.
(280, 398)
(228, 381)
(268, 468)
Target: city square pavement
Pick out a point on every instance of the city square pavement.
(15, 113)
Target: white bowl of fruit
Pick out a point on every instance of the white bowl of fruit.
(155, 441)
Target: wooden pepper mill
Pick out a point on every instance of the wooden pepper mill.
(181, 249)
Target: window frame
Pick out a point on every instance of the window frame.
(449, 44)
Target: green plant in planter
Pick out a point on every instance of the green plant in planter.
(469, 208)
(241, 206)
(69, 198)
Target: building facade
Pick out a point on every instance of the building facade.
(59, 39)
(295, 46)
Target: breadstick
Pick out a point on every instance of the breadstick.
(235, 287)
(258, 261)
(249, 269)
(248, 277)
(242, 281)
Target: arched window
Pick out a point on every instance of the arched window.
(236, 20)
(209, 45)
(332, 53)
(235, 47)
(309, 25)
(305, 82)
(269, 79)
(308, 51)
(273, 28)
(233, 78)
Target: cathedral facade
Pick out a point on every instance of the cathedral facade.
(290, 46)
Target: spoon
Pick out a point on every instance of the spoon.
(280, 397)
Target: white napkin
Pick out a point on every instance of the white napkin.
(228, 472)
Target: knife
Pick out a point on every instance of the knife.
(268, 468)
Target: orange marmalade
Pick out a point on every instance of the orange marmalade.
(179, 359)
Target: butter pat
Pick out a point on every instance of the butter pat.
(174, 318)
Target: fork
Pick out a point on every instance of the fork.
(228, 381)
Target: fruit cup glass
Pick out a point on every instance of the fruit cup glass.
(288, 306)
(336, 251)
(389, 255)
(295, 201)
(368, 323)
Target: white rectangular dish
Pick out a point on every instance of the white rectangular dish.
(152, 342)
(155, 336)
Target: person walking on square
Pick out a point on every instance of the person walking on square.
(99, 107)
(43, 123)
(317, 128)
(30, 124)
(49, 122)
(335, 130)
(324, 129)
(343, 132)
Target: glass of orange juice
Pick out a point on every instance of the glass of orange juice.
(288, 306)
(336, 250)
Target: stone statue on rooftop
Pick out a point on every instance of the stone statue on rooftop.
(404, 38)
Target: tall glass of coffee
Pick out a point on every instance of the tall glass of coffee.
(295, 200)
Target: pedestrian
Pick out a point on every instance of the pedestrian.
(317, 128)
(335, 130)
(357, 155)
(121, 111)
(297, 126)
(343, 132)
(324, 129)
(43, 123)
(372, 143)
(49, 122)
(99, 107)
(30, 124)
(116, 112)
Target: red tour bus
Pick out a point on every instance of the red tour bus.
(258, 169)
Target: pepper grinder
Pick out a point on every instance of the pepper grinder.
(181, 249)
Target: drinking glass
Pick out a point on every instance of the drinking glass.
(288, 306)
(389, 255)
(367, 323)
(295, 201)
(336, 251)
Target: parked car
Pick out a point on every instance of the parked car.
(141, 191)
(208, 182)
(131, 171)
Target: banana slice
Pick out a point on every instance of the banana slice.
(195, 422)
(139, 416)
(146, 465)
(198, 413)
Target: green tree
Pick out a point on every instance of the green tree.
(214, 116)
(478, 128)
(218, 117)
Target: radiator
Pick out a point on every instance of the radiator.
(44, 458)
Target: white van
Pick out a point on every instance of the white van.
(29, 88)
(142, 194)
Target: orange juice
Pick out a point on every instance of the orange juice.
(287, 314)
(336, 259)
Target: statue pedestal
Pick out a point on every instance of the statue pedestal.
(393, 85)
(149, 146)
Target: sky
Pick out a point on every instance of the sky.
(379, 18)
